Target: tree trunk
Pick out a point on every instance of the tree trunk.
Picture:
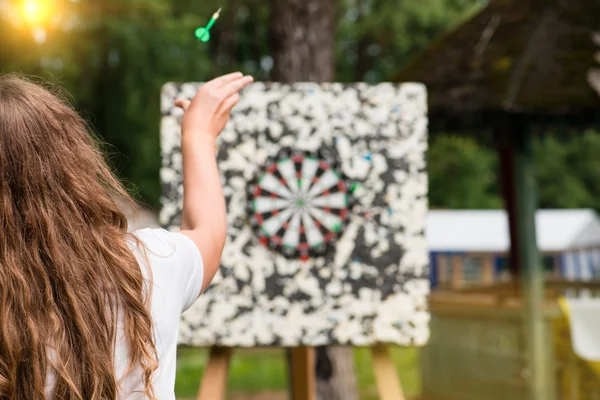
(303, 46)
(303, 40)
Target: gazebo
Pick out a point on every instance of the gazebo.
(512, 68)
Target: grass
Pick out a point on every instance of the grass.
(258, 370)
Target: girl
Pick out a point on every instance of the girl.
(86, 311)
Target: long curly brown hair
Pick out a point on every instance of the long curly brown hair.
(66, 270)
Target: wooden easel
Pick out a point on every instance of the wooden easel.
(303, 384)
(386, 376)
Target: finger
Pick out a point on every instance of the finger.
(233, 87)
(223, 80)
(229, 103)
(183, 104)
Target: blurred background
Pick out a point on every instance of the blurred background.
(481, 61)
(113, 56)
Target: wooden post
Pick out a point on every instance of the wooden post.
(214, 380)
(303, 385)
(386, 376)
(487, 270)
(457, 272)
(532, 274)
(507, 175)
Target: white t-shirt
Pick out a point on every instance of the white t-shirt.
(177, 272)
(177, 276)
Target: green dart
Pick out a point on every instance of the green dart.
(203, 33)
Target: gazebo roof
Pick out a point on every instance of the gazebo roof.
(521, 56)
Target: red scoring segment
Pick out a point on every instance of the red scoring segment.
(344, 214)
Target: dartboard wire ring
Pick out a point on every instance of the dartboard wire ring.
(304, 217)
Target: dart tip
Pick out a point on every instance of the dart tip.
(218, 13)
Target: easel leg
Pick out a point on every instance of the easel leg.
(214, 381)
(303, 379)
(386, 377)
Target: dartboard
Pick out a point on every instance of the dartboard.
(299, 203)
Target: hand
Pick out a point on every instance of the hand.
(208, 112)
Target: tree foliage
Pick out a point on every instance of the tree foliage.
(462, 174)
(568, 171)
(377, 38)
(113, 56)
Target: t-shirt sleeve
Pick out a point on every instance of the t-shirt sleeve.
(178, 257)
(192, 268)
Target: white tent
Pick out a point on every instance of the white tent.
(486, 231)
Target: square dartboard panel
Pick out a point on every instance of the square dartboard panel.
(326, 191)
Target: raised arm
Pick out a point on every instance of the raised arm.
(203, 218)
